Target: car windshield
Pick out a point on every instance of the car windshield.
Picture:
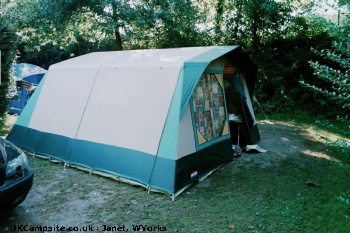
(11, 150)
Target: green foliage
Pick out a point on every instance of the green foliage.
(277, 34)
(281, 69)
(176, 24)
(8, 40)
(333, 71)
(252, 23)
(340, 144)
(164, 24)
(278, 39)
(59, 31)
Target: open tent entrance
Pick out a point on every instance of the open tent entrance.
(231, 95)
(243, 125)
(232, 105)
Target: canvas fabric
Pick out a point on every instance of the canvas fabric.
(124, 113)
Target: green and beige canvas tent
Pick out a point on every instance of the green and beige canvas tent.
(157, 117)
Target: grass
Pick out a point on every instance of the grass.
(277, 199)
(269, 199)
(338, 126)
(335, 134)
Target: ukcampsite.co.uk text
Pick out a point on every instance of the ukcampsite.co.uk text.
(55, 228)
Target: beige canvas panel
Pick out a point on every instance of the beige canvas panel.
(201, 138)
(249, 101)
(225, 131)
(128, 107)
(186, 143)
(62, 101)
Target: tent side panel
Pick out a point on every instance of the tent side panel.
(163, 175)
(127, 163)
(24, 137)
(34, 78)
(194, 68)
(168, 144)
(51, 145)
(129, 107)
(155, 172)
(191, 167)
(187, 144)
(54, 146)
(62, 101)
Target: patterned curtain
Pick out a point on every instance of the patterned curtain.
(209, 106)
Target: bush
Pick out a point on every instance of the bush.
(8, 40)
(332, 70)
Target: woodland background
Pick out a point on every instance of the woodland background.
(301, 47)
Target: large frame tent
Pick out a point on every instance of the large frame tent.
(158, 118)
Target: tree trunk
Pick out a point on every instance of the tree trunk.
(219, 14)
(118, 38)
(237, 19)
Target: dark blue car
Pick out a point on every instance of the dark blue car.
(16, 177)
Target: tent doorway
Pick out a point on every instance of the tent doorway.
(232, 105)
(231, 95)
(243, 127)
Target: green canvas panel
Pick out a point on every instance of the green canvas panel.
(127, 163)
(27, 112)
(43, 143)
(54, 146)
(169, 139)
(193, 69)
(24, 137)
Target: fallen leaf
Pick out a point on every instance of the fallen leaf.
(134, 202)
(231, 226)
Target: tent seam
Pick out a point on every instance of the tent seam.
(160, 140)
(83, 114)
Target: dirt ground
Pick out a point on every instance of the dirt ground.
(74, 200)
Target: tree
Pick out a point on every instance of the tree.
(278, 36)
(54, 30)
(333, 70)
(8, 40)
(44, 36)
(253, 22)
(174, 24)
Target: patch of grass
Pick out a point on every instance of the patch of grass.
(338, 126)
(274, 199)
(334, 133)
(253, 199)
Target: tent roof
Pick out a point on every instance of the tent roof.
(145, 58)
